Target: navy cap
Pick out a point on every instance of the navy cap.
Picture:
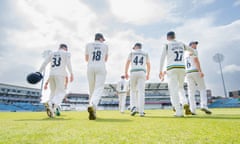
(63, 46)
(98, 36)
(138, 44)
(171, 34)
(193, 42)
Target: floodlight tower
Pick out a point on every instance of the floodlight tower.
(218, 58)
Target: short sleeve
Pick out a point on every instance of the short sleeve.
(130, 56)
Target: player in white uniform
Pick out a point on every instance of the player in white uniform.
(122, 89)
(59, 60)
(173, 51)
(96, 54)
(57, 112)
(195, 81)
(140, 69)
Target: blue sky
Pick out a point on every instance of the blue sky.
(29, 27)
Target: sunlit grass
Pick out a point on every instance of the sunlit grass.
(157, 127)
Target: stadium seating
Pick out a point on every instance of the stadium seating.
(225, 103)
(21, 107)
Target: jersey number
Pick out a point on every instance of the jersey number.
(56, 61)
(137, 61)
(188, 64)
(96, 56)
(179, 55)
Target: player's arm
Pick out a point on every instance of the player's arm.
(66, 82)
(126, 68)
(127, 65)
(44, 64)
(86, 54)
(148, 67)
(46, 84)
(162, 60)
(106, 58)
(86, 58)
(197, 63)
(148, 70)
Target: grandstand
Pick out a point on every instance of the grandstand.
(156, 96)
(234, 94)
(18, 98)
(225, 103)
(75, 101)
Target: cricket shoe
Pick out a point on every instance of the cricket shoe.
(133, 111)
(49, 110)
(142, 114)
(194, 113)
(57, 112)
(207, 111)
(174, 110)
(92, 113)
(187, 109)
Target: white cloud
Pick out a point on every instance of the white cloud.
(49, 23)
(237, 3)
(140, 12)
(52, 22)
(203, 2)
(231, 68)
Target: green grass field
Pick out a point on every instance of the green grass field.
(111, 127)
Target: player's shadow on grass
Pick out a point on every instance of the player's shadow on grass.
(112, 120)
(220, 117)
(44, 119)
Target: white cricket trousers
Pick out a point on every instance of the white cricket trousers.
(137, 90)
(57, 89)
(96, 78)
(122, 101)
(195, 82)
(176, 90)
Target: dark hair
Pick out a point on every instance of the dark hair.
(171, 34)
(63, 46)
(138, 44)
(99, 36)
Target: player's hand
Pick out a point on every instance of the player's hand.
(147, 77)
(71, 78)
(45, 86)
(161, 76)
(201, 74)
(126, 75)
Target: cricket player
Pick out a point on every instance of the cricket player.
(122, 89)
(195, 81)
(173, 52)
(139, 73)
(57, 112)
(60, 62)
(96, 54)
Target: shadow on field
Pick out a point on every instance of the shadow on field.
(219, 117)
(112, 120)
(44, 119)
